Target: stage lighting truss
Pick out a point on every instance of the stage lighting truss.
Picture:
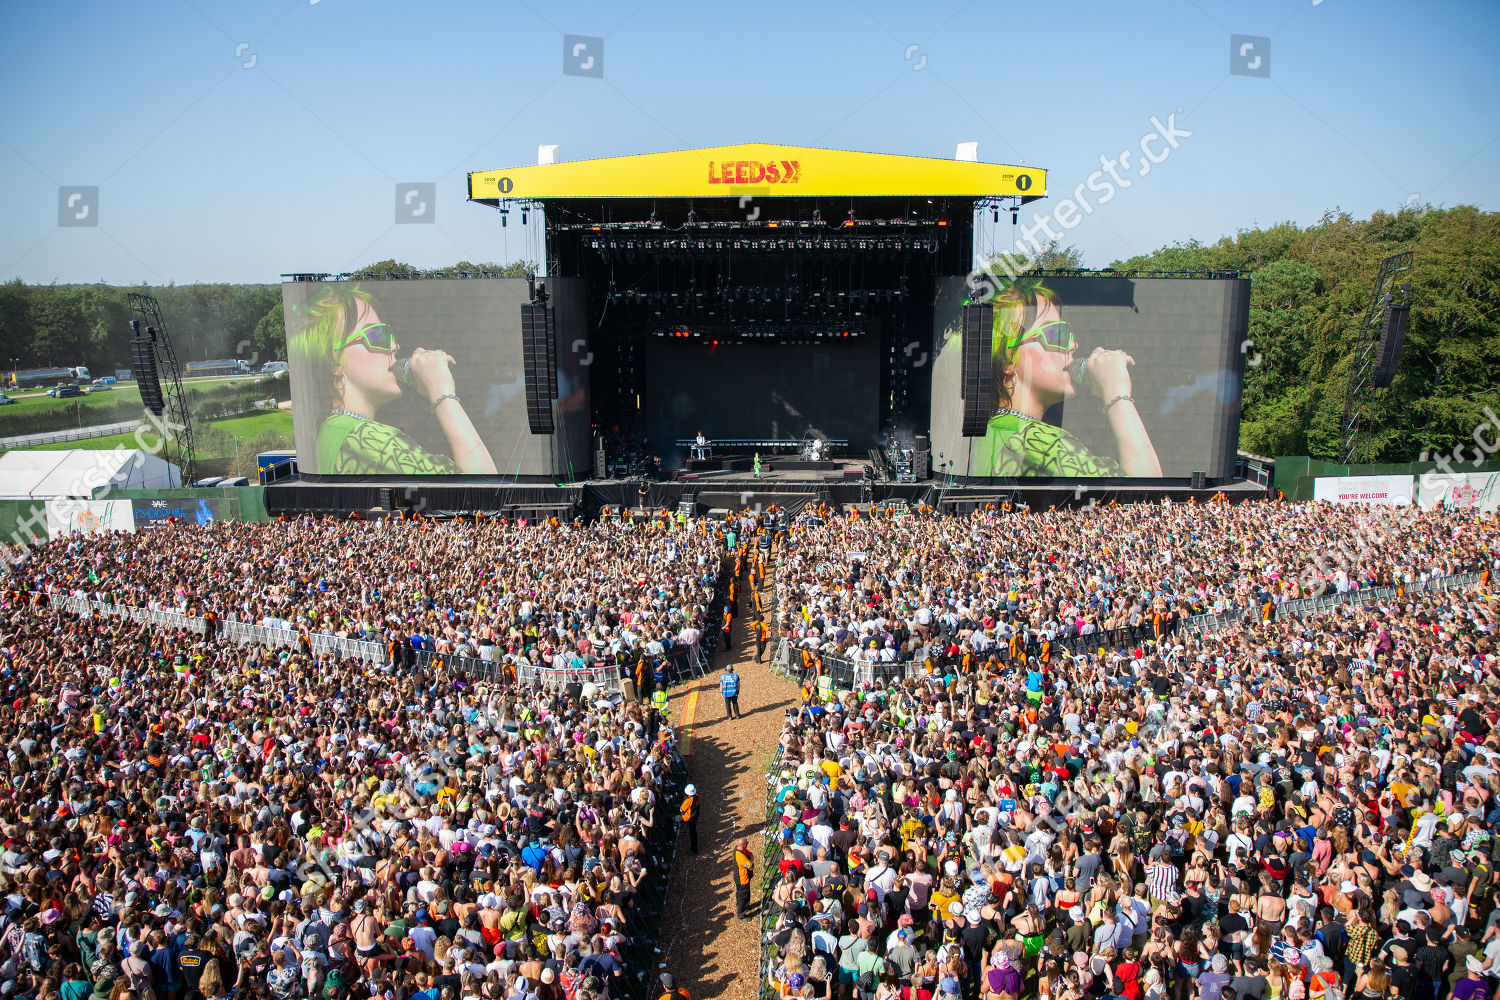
(673, 245)
(718, 334)
(761, 303)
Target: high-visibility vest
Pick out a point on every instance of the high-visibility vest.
(729, 683)
(743, 866)
(659, 700)
(689, 808)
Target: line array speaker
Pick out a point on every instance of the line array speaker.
(147, 379)
(977, 380)
(1392, 339)
(539, 360)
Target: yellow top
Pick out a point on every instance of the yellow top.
(758, 170)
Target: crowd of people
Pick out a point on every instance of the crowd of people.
(188, 819)
(879, 588)
(1288, 807)
(1291, 807)
(548, 594)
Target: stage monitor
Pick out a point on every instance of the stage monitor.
(1095, 377)
(417, 378)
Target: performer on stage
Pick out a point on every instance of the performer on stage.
(817, 450)
(700, 446)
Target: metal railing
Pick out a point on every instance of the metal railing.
(75, 434)
(847, 674)
(272, 636)
(85, 607)
(770, 844)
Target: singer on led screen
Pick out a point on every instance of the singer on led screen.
(1032, 350)
(351, 360)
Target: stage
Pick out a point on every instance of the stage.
(500, 497)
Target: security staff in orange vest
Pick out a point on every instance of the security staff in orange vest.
(744, 869)
(762, 636)
(670, 990)
(690, 815)
(728, 619)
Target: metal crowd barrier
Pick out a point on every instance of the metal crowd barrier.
(847, 674)
(272, 637)
(770, 844)
(85, 607)
(606, 678)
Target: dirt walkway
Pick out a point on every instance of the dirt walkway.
(710, 953)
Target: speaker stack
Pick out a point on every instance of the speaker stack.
(539, 357)
(1392, 337)
(977, 381)
(143, 367)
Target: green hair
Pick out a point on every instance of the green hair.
(1017, 302)
(314, 347)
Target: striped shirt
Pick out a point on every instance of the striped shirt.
(1161, 880)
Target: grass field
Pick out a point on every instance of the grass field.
(243, 429)
(35, 401)
(248, 428)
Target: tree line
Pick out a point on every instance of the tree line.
(1310, 288)
(68, 325)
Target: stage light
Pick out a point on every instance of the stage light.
(523, 216)
(1015, 217)
(995, 214)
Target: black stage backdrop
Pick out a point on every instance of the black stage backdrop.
(755, 390)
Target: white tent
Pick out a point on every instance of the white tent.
(52, 475)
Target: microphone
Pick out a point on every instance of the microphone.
(404, 373)
(1081, 371)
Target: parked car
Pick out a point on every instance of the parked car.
(5, 400)
(64, 391)
(98, 385)
(273, 368)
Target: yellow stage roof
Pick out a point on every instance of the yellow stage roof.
(761, 170)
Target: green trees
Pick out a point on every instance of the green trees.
(67, 325)
(1310, 287)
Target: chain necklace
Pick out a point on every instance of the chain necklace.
(339, 411)
(1006, 411)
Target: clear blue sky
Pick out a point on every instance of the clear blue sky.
(208, 171)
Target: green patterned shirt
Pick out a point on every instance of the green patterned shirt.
(1016, 447)
(349, 446)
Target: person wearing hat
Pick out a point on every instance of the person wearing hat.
(669, 988)
(1473, 985)
(690, 815)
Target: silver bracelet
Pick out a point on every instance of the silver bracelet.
(1127, 397)
(453, 396)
